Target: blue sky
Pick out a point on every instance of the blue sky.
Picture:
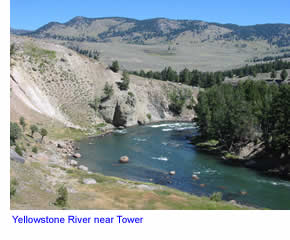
(31, 14)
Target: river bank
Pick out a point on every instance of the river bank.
(39, 177)
(251, 156)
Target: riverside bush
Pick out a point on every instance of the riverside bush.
(216, 196)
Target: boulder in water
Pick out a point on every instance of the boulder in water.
(195, 177)
(172, 173)
(243, 192)
(77, 155)
(202, 185)
(124, 159)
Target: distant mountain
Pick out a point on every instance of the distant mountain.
(159, 30)
(19, 31)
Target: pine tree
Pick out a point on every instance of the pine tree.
(284, 75)
(115, 66)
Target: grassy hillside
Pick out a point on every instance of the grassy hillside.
(156, 43)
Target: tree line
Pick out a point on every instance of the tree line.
(208, 79)
(252, 111)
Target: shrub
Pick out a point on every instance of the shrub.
(15, 132)
(216, 196)
(177, 100)
(124, 85)
(12, 49)
(149, 116)
(13, 184)
(115, 66)
(131, 94)
(43, 133)
(62, 197)
(18, 150)
(33, 129)
(108, 91)
(34, 149)
(284, 75)
(22, 123)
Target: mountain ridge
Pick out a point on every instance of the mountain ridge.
(132, 30)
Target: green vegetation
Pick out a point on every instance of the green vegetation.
(95, 104)
(95, 54)
(43, 133)
(249, 112)
(177, 99)
(131, 94)
(115, 66)
(13, 184)
(149, 116)
(284, 75)
(18, 150)
(108, 91)
(34, 149)
(12, 49)
(124, 85)
(66, 133)
(15, 132)
(33, 129)
(271, 58)
(216, 196)
(37, 53)
(22, 123)
(209, 79)
(62, 197)
(76, 173)
(273, 74)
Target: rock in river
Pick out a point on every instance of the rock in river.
(172, 172)
(124, 159)
(195, 177)
(77, 155)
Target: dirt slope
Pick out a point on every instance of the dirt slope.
(52, 83)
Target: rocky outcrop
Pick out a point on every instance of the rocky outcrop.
(66, 87)
(14, 156)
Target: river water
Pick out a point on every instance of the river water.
(156, 149)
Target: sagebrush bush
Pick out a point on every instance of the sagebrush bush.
(216, 196)
(18, 150)
(62, 197)
(34, 149)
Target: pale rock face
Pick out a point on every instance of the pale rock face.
(77, 155)
(63, 91)
(89, 181)
(73, 163)
(84, 168)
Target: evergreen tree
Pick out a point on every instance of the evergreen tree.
(124, 85)
(284, 75)
(33, 129)
(15, 132)
(43, 133)
(273, 74)
(108, 90)
(22, 123)
(115, 66)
